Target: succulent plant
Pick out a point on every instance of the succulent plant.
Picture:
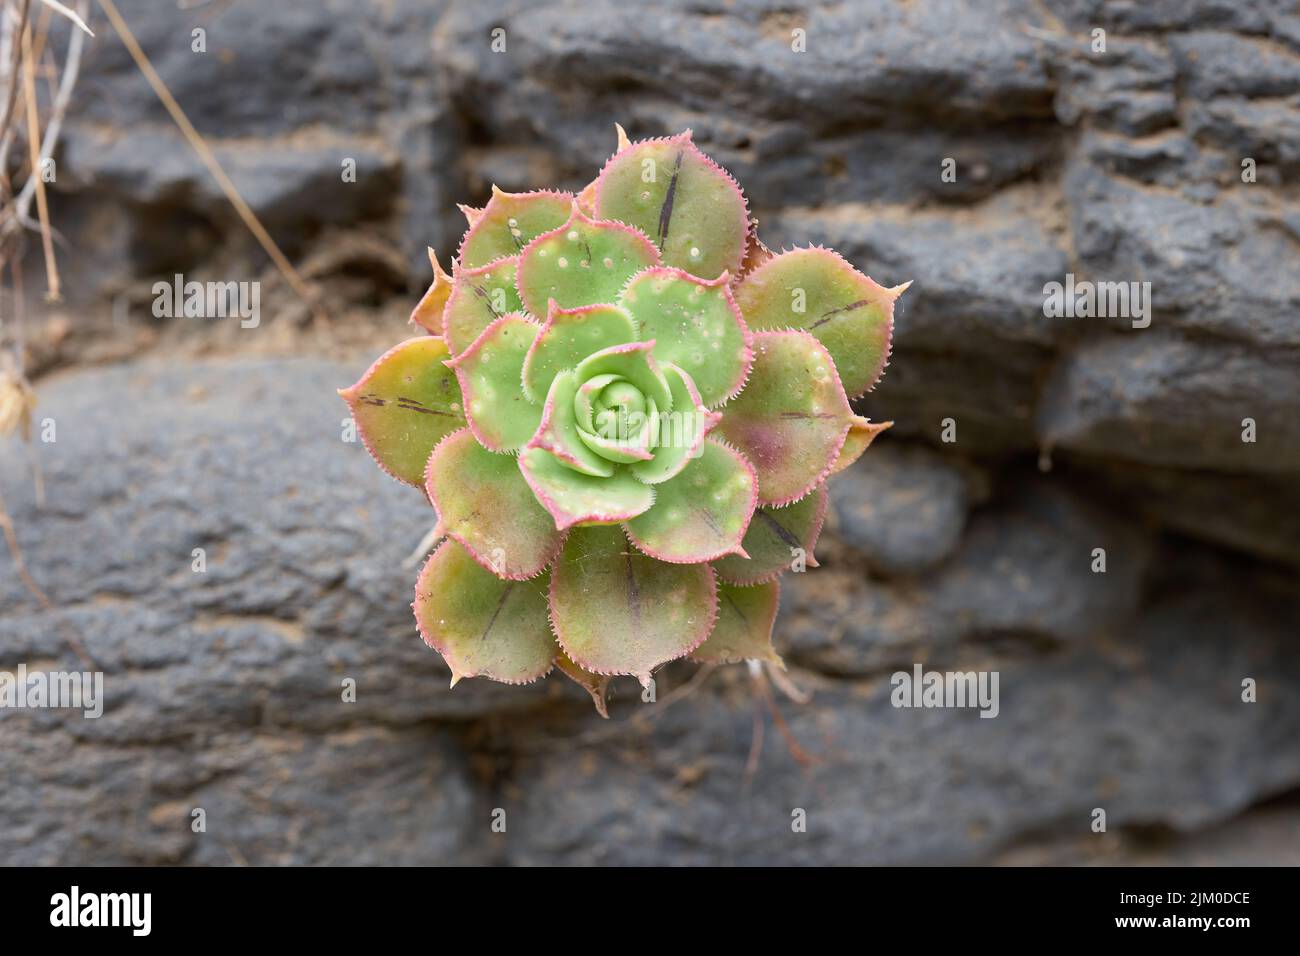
(624, 411)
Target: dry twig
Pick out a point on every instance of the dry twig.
(209, 159)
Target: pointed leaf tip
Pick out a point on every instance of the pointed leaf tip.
(703, 512)
(685, 202)
(404, 404)
(480, 624)
(597, 685)
(862, 433)
(746, 616)
(817, 290)
(428, 312)
(775, 539)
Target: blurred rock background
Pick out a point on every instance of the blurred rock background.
(1119, 690)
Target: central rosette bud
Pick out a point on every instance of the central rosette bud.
(616, 420)
(619, 409)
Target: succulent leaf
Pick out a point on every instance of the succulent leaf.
(776, 538)
(756, 253)
(616, 611)
(583, 262)
(478, 298)
(685, 202)
(428, 311)
(696, 325)
(817, 290)
(484, 503)
(594, 684)
(703, 512)
(861, 434)
(744, 628)
(509, 222)
(792, 417)
(404, 404)
(500, 415)
(569, 336)
(573, 497)
(481, 624)
(587, 197)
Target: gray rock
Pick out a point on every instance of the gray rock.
(1139, 16)
(1220, 63)
(319, 63)
(1148, 726)
(269, 796)
(1032, 565)
(1129, 87)
(1254, 514)
(1224, 268)
(1120, 689)
(903, 507)
(287, 183)
(1022, 578)
(224, 689)
(1267, 836)
(283, 94)
(1166, 400)
(976, 304)
(742, 62)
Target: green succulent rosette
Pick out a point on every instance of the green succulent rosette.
(624, 409)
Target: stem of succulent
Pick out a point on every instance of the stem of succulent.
(424, 547)
(781, 678)
(764, 693)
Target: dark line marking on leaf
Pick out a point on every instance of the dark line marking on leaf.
(467, 519)
(666, 212)
(709, 520)
(735, 607)
(827, 316)
(633, 592)
(500, 604)
(411, 405)
(800, 416)
(780, 530)
(482, 294)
